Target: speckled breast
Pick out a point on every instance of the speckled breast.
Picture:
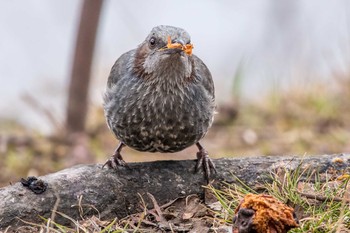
(160, 120)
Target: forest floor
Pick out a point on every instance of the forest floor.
(294, 122)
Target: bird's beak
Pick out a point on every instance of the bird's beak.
(179, 45)
(179, 41)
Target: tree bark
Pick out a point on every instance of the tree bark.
(116, 193)
(80, 77)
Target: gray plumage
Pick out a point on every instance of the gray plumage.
(159, 100)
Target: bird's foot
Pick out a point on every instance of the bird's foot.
(204, 162)
(116, 159)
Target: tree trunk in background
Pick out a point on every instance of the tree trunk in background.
(77, 106)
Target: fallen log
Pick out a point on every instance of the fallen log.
(86, 190)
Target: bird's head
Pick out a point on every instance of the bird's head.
(166, 49)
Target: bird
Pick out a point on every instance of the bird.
(160, 98)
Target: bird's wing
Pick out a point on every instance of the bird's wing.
(203, 75)
(120, 68)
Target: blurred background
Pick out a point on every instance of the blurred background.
(281, 71)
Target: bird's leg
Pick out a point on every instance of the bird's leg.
(204, 161)
(116, 159)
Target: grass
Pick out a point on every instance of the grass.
(88, 225)
(321, 205)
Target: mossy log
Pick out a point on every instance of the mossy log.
(85, 190)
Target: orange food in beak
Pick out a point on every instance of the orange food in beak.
(186, 48)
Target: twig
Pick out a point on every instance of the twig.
(54, 209)
(323, 198)
(159, 214)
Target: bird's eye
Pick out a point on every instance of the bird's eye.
(152, 41)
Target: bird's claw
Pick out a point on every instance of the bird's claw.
(204, 161)
(115, 161)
